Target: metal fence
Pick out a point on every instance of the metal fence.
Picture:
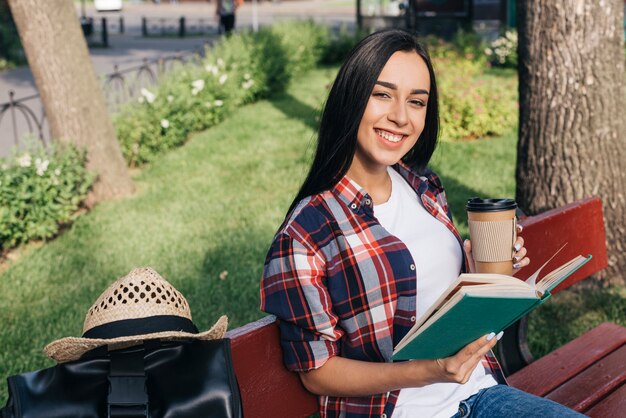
(25, 117)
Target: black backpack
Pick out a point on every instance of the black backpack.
(156, 380)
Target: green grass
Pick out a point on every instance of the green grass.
(213, 206)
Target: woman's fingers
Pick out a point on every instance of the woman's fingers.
(519, 257)
(459, 367)
(467, 247)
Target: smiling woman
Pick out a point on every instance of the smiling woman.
(369, 244)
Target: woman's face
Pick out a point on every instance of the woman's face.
(395, 112)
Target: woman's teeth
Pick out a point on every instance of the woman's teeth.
(389, 136)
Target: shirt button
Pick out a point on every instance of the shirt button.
(412, 267)
(383, 416)
(353, 206)
(368, 202)
(413, 318)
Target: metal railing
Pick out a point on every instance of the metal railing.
(26, 116)
(32, 118)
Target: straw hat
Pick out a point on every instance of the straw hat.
(137, 307)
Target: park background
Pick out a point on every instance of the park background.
(203, 214)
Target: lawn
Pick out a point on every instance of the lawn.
(204, 215)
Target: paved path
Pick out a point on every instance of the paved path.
(129, 49)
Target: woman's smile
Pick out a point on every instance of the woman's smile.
(390, 136)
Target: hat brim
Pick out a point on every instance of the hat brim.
(72, 348)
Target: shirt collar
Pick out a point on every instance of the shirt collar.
(351, 194)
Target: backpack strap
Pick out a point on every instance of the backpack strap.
(128, 396)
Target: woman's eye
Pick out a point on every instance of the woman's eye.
(418, 103)
(380, 94)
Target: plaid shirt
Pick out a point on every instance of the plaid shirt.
(340, 284)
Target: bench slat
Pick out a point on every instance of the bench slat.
(580, 225)
(267, 388)
(612, 406)
(554, 369)
(583, 391)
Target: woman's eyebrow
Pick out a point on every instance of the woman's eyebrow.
(394, 87)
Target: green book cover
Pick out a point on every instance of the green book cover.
(475, 305)
(470, 318)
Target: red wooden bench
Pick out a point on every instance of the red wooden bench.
(588, 374)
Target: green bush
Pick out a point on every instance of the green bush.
(340, 45)
(39, 191)
(472, 104)
(238, 69)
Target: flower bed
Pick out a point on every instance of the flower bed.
(40, 190)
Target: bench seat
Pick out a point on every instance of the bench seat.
(588, 374)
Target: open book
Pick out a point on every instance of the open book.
(475, 305)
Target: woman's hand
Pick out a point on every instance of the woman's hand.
(519, 258)
(459, 368)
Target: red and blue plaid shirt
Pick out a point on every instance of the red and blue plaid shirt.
(340, 284)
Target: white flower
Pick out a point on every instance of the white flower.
(148, 95)
(198, 84)
(165, 123)
(208, 104)
(220, 62)
(246, 76)
(141, 99)
(41, 166)
(57, 172)
(218, 103)
(488, 51)
(170, 98)
(223, 78)
(209, 68)
(24, 160)
(247, 84)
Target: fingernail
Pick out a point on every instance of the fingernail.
(520, 228)
(500, 334)
(517, 265)
(517, 258)
(466, 242)
(490, 336)
(517, 246)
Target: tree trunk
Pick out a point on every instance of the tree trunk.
(572, 128)
(71, 94)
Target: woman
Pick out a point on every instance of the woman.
(368, 245)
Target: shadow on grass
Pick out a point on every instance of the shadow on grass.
(457, 194)
(573, 312)
(296, 109)
(230, 276)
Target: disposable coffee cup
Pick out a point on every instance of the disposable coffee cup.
(492, 231)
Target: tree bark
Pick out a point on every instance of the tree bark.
(572, 130)
(71, 94)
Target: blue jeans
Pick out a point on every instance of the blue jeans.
(506, 401)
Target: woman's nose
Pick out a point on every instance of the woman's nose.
(398, 114)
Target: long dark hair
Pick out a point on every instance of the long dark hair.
(348, 97)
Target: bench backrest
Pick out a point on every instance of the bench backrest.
(580, 225)
(269, 390)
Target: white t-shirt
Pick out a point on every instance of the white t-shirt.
(437, 255)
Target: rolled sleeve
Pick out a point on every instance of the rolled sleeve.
(293, 288)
